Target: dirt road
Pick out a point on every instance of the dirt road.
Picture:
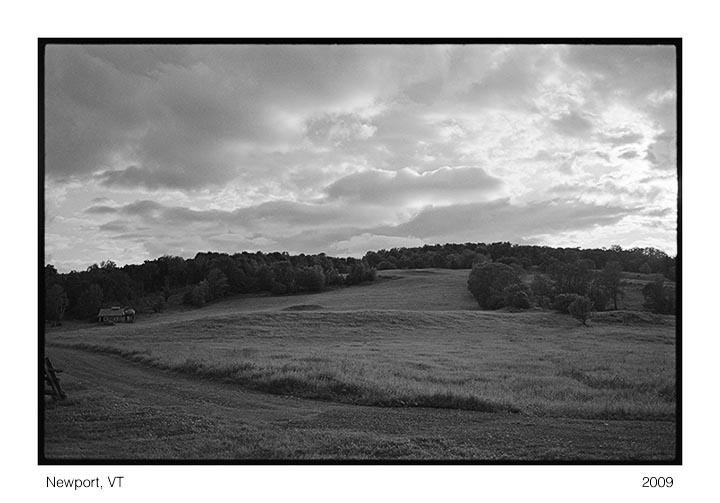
(121, 410)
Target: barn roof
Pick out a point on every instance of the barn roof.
(115, 311)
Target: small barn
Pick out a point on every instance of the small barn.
(116, 315)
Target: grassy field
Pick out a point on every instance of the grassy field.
(121, 410)
(414, 338)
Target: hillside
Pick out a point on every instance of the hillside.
(413, 290)
(412, 340)
(398, 289)
(412, 337)
(209, 277)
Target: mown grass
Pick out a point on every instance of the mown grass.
(535, 363)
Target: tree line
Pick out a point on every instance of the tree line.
(207, 277)
(463, 256)
(587, 279)
(575, 287)
(560, 273)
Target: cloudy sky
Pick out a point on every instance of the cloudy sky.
(341, 149)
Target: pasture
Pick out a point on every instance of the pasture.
(414, 339)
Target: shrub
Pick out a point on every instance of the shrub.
(581, 308)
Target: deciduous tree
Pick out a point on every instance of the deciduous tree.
(659, 298)
(487, 283)
(56, 302)
(611, 280)
(581, 309)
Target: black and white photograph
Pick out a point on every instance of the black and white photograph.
(371, 251)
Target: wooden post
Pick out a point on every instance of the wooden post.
(53, 380)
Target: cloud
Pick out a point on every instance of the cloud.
(629, 72)
(542, 155)
(572, 124)
(194, 177)
(639, 77)
(144, 207)
(622, 138)
(176, 149)
(662, 152)
(268, 217)
(510, 77)
(115, 226)
(608, 190)
(357, 246)
(407, 187)
(339, 129)
(321, 228)
(501, 220)
(662, 212)
(101, 210)
(188, 116)
(629, 154)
